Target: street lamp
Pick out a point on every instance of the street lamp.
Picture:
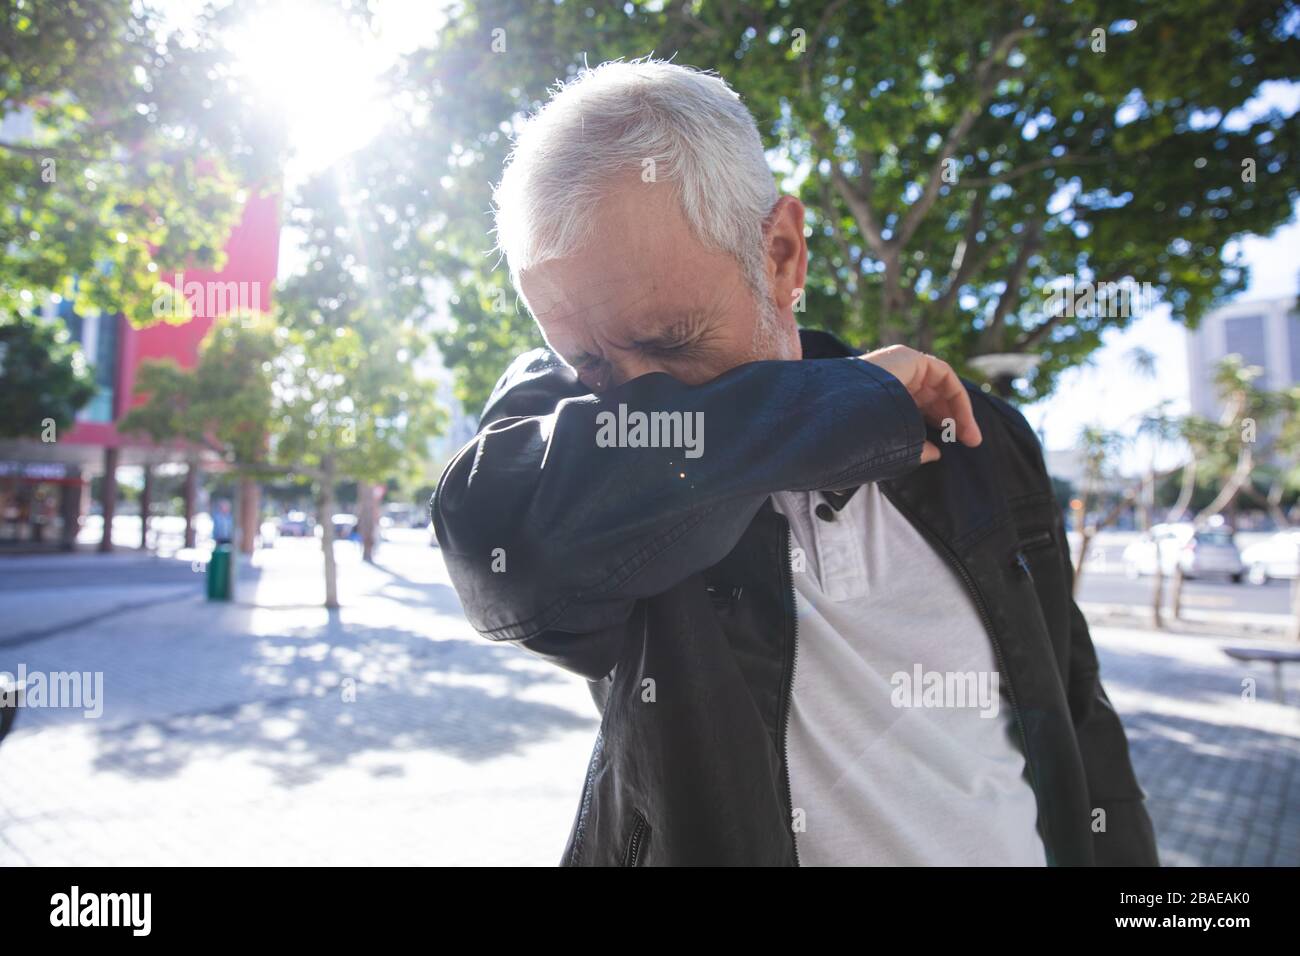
(1001, 369)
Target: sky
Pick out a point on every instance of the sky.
(1106, 392)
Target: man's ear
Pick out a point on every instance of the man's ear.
(787, 251)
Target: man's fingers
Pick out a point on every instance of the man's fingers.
(929, 452)
(937, 391)
(943, 399)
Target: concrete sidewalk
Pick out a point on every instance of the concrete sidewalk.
(1225, 622)
(386, 733)
(390, 733)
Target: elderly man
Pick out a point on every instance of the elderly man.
(822, 599)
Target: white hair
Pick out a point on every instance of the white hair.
(608, 122)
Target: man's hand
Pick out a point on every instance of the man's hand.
(935, 388)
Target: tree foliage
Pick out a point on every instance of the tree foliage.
(43, 377)
(125, 155)
(957, 159)
(225, 403)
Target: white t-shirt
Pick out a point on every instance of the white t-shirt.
(902, 744)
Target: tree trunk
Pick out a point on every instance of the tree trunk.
(1185, 492)
(1228, 493)
(146, 496)
(191, 498)
(1178, 591)
(250, 506)
(70, 500)
(1086, 535)
(1085, 542)
(1147, 499)
(1158, 599)
(368, 518)
(109, 496)
(1274, 503)
(327, 533)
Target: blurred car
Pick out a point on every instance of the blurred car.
(1276, 557)
(1207, 551)
(267, 532)
(296, 524)
(345, 525)
(404, 515)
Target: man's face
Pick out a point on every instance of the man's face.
(646, 296)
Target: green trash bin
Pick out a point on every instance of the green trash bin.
(219, 574)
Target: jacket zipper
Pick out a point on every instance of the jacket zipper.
(789, 693)
(634, 847)
(955, 562)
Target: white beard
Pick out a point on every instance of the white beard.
(770, 341)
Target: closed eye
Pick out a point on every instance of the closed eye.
(681, 337)
(663, 349)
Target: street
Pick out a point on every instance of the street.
(1218, 594)
(270, 731)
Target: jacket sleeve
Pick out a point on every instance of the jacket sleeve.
(552, 527)
(1128, 838)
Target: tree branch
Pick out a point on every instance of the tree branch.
(964, 267)
(1026, 168)
(987, 76)
(1011, 294)
(861, 209)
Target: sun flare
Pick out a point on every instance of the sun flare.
(320, 75)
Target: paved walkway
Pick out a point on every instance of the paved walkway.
(1218, 757)
(389, 733)
(230, 734)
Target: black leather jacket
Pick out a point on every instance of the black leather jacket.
(665, 580)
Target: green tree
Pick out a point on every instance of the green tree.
(225, 404)
(43, 377)
(957, 159)
(350, 402)
(1098, 448)
(125, 158)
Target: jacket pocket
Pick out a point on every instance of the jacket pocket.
(638, 841)
(1036, 540)
(1030, 545)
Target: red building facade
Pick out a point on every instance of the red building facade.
(44, 485)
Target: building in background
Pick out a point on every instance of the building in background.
(1264, 332)
(45, 487)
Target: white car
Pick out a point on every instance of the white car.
(267, 532)
(1275, 557)
(1209, 551)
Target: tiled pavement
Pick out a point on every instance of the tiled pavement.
(1220, 766)
(228, 736)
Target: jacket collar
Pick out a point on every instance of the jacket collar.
(820, 345)
(956, 496)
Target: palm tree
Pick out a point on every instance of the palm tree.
(1098, 447)
(1159, 428)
